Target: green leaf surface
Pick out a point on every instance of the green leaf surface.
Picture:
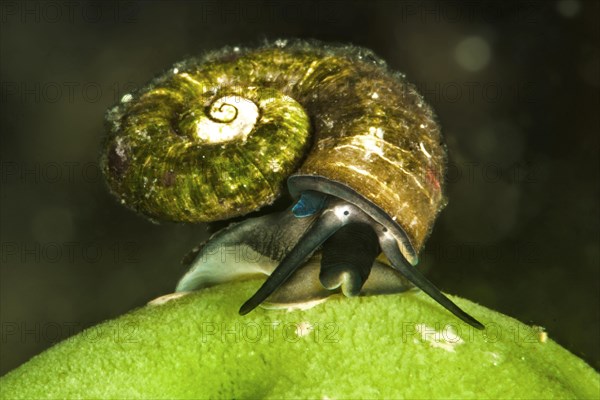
(397, 346)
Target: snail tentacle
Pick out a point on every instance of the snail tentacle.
(326, 224)
(256, 246)
(389, 246)
(345, 219)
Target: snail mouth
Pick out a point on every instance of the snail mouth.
(299, 183)
(348, 257)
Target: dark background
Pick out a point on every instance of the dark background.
(515, 86)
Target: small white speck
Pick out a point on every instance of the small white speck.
(494, 358)
(376, 131)
(175, 70)
(375, 96)
(236, 49)
(424, 150)
(126, 98)
(303, 328)
(143, 134)
(542, 335)
(274, 165)
(281, 43)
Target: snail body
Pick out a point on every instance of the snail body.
(352, 142)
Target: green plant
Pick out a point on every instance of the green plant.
(397, 346)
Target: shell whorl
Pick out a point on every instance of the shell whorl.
(217, 137)
(195, 145)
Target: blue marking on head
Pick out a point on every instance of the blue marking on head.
(309, 203)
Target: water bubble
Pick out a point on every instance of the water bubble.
(473, 53)
(568, 8)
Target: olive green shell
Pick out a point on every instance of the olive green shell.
(334, 111)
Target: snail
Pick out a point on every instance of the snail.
(351, 142)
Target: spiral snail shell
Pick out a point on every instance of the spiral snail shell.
(226, 134)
